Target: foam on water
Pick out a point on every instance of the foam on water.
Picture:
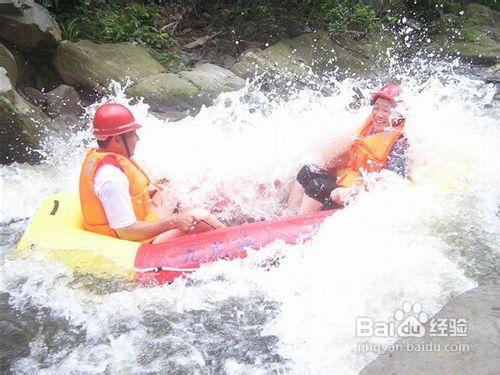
(420, 241)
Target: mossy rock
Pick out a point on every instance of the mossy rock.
(23, 125)
(475, 52)
(212, 79)
(315, 49)
(28, 25)
(476, 47)
(168, 92)
(8, 61)
(297, 57)
(85, 64)
(482, 15)
(279, 59)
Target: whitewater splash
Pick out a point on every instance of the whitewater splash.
(421, 241)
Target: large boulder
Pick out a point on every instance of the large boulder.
(15, 335)
(62, 105)
(482, 15)
(27, 25)
(485, 52)
(168, 92)
(8, 61)
(318, 51)
(14, 8)
(176, 95)
(278, 59)
(304, 58)
(88, 65)
(479, 40)
(212, 79)
(480, 308)
(22, 127)
(63, 100)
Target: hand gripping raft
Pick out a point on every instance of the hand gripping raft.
(56, 230)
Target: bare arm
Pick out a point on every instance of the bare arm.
(142, 230)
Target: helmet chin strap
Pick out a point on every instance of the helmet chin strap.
(125, 143)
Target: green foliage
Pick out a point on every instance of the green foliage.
(341, 16)
(170, 60)
(134, 23)
(269, 16)
(71, 29)
(468, 31)
(493, 4)
(111, 21)
(51, 5)
(274, 16)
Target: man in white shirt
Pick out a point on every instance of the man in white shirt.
(118, 198)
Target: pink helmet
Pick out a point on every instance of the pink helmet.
(390, 92)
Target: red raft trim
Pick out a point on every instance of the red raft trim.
(163, 263)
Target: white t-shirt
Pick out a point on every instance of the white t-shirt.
(111, 185)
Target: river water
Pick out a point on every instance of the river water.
(422, 241)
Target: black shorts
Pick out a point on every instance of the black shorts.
(318, 184)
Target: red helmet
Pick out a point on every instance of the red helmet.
(113, 119)
(389, 92)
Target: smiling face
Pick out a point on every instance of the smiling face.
(382, 109)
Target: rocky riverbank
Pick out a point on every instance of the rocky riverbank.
(46, 81)
(476, 352)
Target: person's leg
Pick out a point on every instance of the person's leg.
(317, 193)
(306, 174)
(168, 236)
(309, 205)
(296, 195)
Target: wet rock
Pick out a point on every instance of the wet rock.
(480, 43)
(171, 116)
(304, 58)
(168, 92)
(23, 125)
(13, 8)
(14, 335)
(35, 97)
(63, 100)
(28, 25)
(88, 65)
(8, 61)
(485, 52)
(212, 79)
(277, 60)
(348, 56)
(25, 70)
(482, 15)
(481, 308)
(181, 94)
(67, 124)
(489, 74)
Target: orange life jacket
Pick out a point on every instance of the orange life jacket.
(368, 153)
(94, 217)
